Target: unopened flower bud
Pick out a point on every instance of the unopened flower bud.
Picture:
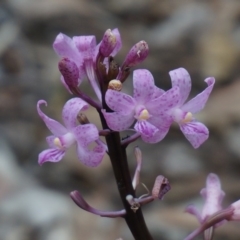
(108, 43)
(70, 72)
(161, 187)
(115, 85)
(82, 118)
(137, 54)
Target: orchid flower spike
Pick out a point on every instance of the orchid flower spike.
(139, 109)
(172, 107)
(81, 52)
(213, 196)
(64, 137)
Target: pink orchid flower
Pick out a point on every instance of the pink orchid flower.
(213, 196)
(64, 137)
(172, 108)
(139, 109)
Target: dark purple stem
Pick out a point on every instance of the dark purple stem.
(118, 157)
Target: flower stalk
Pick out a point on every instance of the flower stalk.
(118, 158)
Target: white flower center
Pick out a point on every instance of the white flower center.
(141, 113)
(144, 115)
(188, 118)
(180, 116)
(64, 141)
(57, 142)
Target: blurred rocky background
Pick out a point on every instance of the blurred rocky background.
(202, 36)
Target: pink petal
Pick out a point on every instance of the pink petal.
(195, 132)
(50, 155)
(117, 121)
(157, 137)
(64, 47)
(236, 213)
(90, 71)
(91, 158)
(70, 111)
(64, 84)
(86, 46)
(213, 195)
(163, 124)
(85, 135)
(50, 141)
(194, 211)
(198, 103)
(157, 92)
(55, 127)
(167, 101)
(181, 79)
(120, 102)
(143, 85)
(119, 42)
(145, 128)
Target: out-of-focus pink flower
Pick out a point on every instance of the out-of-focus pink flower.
(236, 211)
(65, 136)
(213, 196)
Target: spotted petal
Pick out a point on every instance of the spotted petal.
(91, 158)
(143, 86)
(198, 103)
(86, 46)
(50, 155)
(181, 79)
(70, 111)
(85, 135)
(195, 132)
(120, 102)
(117, 121)
(163, 124)
(55, 127)
(157, 92)
(65, 47)
(167, 101)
